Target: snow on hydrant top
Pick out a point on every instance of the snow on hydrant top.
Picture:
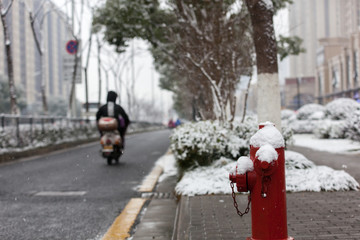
(267, 135)
(243, 165)
(266, 153)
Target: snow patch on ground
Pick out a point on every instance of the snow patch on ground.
(207, 180)
(328, 145)
(301, 175)
(168, 163)
(320, 178)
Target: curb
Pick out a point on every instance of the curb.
(182, 219)
(158, 219)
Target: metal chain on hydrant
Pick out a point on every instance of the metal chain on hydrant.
(247, 209)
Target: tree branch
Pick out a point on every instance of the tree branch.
(6, 10)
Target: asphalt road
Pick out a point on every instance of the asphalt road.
(73, 194)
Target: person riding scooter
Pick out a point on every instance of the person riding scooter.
(111, 109)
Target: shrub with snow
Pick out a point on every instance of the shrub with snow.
(246, 129)
(338, 119)
(36, 136)
(330, 129)
(301, 175)
(308, 110)
(201, 143)
(288, 115)
(213, 179)
(341, 108)
(317, 115)
(353, 126)
(307, 118)
(295, 160)
(304, 126)
(287, 133)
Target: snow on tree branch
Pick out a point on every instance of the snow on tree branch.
(217, 97)
(6, 9)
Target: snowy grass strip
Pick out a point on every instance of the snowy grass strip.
(301, 175)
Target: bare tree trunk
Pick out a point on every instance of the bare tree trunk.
(245, 99)
(86, 90)
(116, 84)
(10, 67)
(72, 91)
(86, 74)
(42, 72)
(77, 53)
(132, 95)
(107, 80)
(268, 106)
(99, 67)
(128, 93)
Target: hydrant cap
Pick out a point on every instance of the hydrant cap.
(267, 135)
(267, 154)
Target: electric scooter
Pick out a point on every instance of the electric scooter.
(112, 146)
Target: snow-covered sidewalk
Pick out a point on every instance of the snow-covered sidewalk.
(344, 146)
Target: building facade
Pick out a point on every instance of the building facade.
(30, 70)
(298, 92)
(330, 31)
(338, 68)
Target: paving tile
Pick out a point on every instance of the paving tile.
(325, 215)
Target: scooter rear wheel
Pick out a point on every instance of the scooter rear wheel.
(109, 160)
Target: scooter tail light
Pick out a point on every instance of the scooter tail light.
(108, 142)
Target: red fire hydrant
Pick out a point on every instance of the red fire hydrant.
(264, 176)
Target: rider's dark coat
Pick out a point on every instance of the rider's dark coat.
(119, 113)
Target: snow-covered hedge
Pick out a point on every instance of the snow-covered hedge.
(353, 126)
(301, 175)
(307, 118)
(304, 126)
(287, 133)
(331, 129)
(307, 111)
(201, 143)
(30, 138)
(338, 119)
(288, 115)
(342, 120)
(341, 108)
